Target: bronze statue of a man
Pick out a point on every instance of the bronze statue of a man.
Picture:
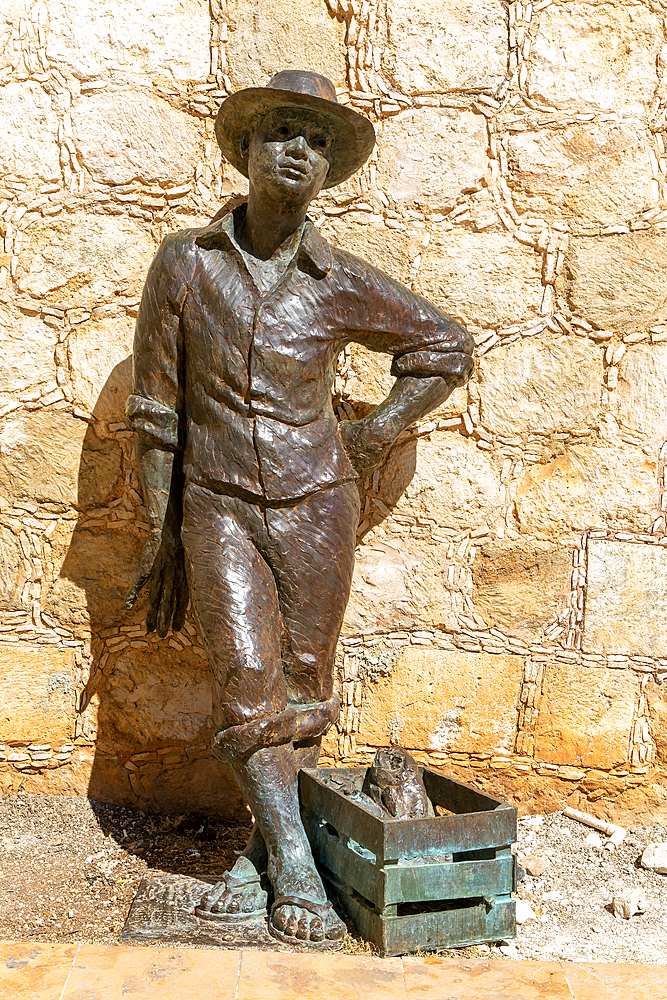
(249, 480)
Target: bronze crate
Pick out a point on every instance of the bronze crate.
(380, 868)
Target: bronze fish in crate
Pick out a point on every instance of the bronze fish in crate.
(394, 782)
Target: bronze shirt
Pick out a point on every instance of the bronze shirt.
(242, 381)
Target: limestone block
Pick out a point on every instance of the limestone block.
(86, 260)
(656, 699)
(597, 55)
(428, 156)
(618, 282)
(599, 172)
(540, 385)
(455, 484)
(96, 569)
(145, 701)
(141, 36)
(11, 558)
(585, 716)
(36, 693)
(51, 457)
(29, 132)
(520, 585)
(400, 582)
(132, 135)
(483, 278)
(440, 700)
(27, 347)
(100, 357)
(626, 599)
(297, 34)
(384, 248)
(587, 486)
(640, 401)
(434, 47)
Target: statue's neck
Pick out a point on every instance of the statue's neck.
(267, 226)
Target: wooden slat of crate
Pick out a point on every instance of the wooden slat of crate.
(492, 824)
(409, 883)
(455, 928)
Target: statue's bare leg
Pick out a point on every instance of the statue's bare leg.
(268, 780)
(240, 892)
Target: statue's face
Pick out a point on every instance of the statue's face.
(289, 155)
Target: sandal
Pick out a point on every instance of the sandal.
(235, 882)
(321, 910)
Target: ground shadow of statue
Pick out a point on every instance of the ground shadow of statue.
(146, 708)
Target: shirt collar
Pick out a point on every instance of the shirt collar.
(313, 255)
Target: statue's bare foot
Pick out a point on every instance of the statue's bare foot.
(238, 896)
(301, 913)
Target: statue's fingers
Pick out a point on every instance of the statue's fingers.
(166, 606)
(181, 599)
(135, 589)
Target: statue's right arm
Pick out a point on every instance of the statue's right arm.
(153, 412)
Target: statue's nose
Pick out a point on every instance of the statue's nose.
(298, 145)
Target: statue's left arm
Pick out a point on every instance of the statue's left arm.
(432, 357)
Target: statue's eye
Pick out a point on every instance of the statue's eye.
(282, 131)
(320, 141)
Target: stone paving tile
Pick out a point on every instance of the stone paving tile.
(461, 979)
(308, 975)
(34, 971)
(616, 982)
(104, 972)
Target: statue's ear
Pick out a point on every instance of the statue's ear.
(245, 143)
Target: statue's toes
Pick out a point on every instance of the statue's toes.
(316, 929)
(281, 918)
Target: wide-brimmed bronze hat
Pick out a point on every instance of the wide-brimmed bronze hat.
(354, 135)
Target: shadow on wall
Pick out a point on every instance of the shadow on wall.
(146, 708)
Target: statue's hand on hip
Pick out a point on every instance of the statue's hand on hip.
(364, 449)
(163, 563)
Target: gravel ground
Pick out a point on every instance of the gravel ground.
(69, 868)
(571, 899)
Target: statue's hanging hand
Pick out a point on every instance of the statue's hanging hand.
(163, 563)
(364, 450)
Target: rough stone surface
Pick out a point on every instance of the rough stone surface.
(87, 260)
(455, 484)
(587, 487)
(27, 352)
(585, 716)
(133, 136)
(520, 586)
(618, 283)
(428, 156)
(150, 37)
(11, 558)
(626, 599)
(541, 386)
(434, 47)
(598, 55)
(29, 126)
(654, 858)
(379, 246)
(640, 400)
(141, 706)
(36, 693)
(300, 33)
(54, 458)
(464, 271)
(656, 698)
(594, 173)
(100, 357)
(436, 700)
(96, 569)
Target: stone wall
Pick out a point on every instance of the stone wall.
(507, 617)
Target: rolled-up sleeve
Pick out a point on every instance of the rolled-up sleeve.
(384, 315)
(155, 406)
